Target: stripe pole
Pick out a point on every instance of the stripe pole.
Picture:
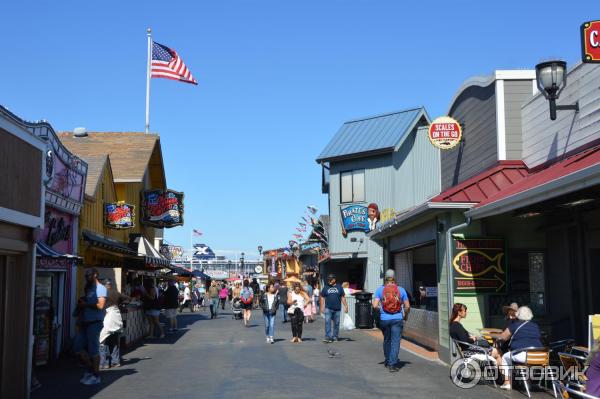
(149, 34)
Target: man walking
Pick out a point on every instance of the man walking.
(283, 306)
(256, 289)
(187, 299)
(392, 302)
(90, 311)
(332, 298)
(213, 294)
(171, 305)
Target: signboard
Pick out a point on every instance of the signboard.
(387, 214)
(217, 274)
(171, 251)
(359, 218)
(479, 266)
(590, 42)
(314, 246)
(162, 208)
(445, 133)
(431, 292)
(119, 215)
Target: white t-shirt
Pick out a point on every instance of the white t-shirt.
(270, 300)
(187, 294)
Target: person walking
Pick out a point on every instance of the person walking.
(316, 295)
(90, 312)
(110, 354)
(297, 299)
(247, 299)
(332, 298)
(213, 294)
(223, 293)
(283, 295)
(269, 302)
(256, 289)
(187, 299)
(392, 302)
(171, 305)
(308, 310)
(152, 308)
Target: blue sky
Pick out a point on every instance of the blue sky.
(276, 81)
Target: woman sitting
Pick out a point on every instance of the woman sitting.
(522, 334)
(592, 386)
(458, 332)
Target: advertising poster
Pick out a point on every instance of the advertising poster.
(359, 218)
(479, 266)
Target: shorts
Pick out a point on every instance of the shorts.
(153, 312)
(170, 313)
(247, 306)
(88, 339)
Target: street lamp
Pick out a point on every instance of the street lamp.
(229, 267)
(242, 265)
(551, 78)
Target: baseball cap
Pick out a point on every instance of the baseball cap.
(390, 273)
(330, 276)
(89, 272)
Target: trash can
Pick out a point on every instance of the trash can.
(363, 310)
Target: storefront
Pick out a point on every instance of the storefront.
(22, 170)
(281, 263)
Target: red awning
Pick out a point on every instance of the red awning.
(555, 171)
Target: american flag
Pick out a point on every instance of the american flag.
(167, 64)
(197, 233)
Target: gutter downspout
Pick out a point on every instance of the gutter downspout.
(450, 274)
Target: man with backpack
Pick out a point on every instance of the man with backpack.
(213, 294)
(394, 306)
(247, 300)
(332, 298)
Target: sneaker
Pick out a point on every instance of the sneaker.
(393, 369)
(104, 367)
(116, 365)
(327, 340)
(86, 375)
(335, 339)
(272, 340)
(92, 380)
(268, 340)
(506, 387)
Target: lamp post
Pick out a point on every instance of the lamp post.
(260, 248)
(551, 79)
(243, 267)
(229, 267)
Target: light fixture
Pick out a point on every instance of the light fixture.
(578, 202)
(551, 77)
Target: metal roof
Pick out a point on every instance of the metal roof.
(375, 134)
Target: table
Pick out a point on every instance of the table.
(489, 330)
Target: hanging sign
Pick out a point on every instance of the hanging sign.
(445, 133)
(313, 246)
(162, 208)
(171, 251)
(359, 218)
(119, 215)
(479, 266)
(590, 42)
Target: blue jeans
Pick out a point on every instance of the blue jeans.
(88, 338)
(269, 324)
(392, 334)
(332, 316)
(214, 306)
(283, 311)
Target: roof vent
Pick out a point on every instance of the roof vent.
(80, 132)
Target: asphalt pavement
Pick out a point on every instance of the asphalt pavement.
(222, 359)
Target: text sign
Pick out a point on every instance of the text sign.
(162, 208)
(590, 42)
(445, 133)
(119, 215)
(355, 217)
(479, 266)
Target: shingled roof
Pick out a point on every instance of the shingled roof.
(130, 152)
(95, 167)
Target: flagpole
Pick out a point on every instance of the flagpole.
(191, 247)
(148, 68)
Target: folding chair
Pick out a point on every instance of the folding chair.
(577, 363)
(483, 359)
(539, 357)
(564, 346)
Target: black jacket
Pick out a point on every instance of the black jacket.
(264, 304)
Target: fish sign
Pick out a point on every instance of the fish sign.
(479, 266)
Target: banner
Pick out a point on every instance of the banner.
(119, 215)
(162, 208)
(479, 266)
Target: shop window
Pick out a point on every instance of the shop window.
(352, 186)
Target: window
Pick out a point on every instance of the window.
(352, 186)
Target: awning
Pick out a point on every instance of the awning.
(100, 241)
(48, 258)
(573, 173)
(152, 257)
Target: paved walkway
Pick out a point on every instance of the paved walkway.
(221, 359)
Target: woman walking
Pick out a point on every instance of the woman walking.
(308, 310)
(247, 298)
(110, 355)
(269, 304)
(297, 299)
(223, 293)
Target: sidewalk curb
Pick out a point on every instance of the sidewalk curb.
(410, 347)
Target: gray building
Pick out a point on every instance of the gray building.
(372, 168)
